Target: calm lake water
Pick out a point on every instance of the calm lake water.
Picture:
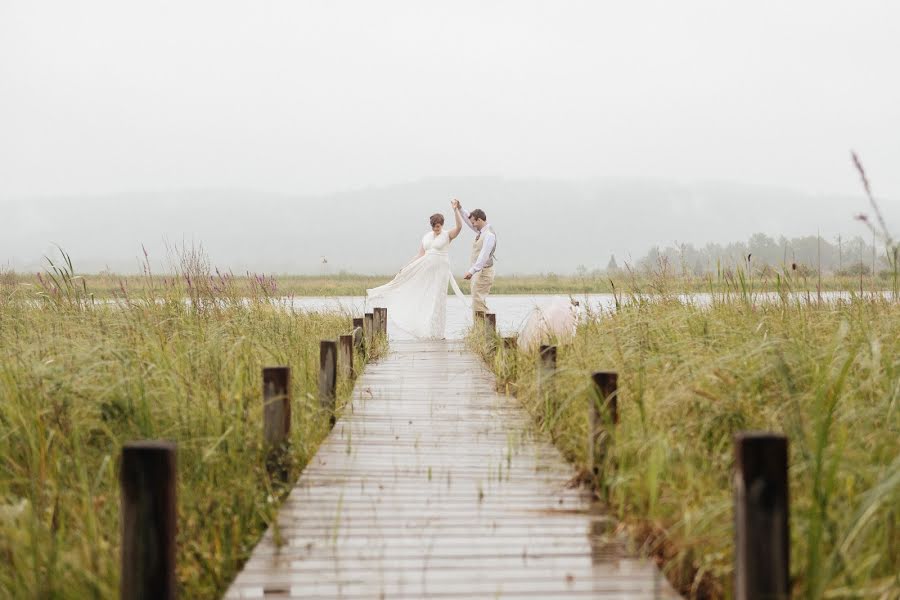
(512, 310)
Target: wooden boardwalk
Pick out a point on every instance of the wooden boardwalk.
(432, 485)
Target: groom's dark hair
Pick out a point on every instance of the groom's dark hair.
(478, 214)
(436, 218)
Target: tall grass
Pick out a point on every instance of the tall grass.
(826, 374)
(79, 377)
(762, 278)
(878, 226)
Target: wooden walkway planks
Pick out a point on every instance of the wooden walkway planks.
(434, 486)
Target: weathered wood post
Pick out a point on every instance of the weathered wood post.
(510, 358)
(369, 330)
(359, 322)
(479, 316)
(603, 416)
(328, 376)
(357, 337)
(381, 319)
(345, 362)
(490, 328)
(762, 534)
(276, 418)
(276, 405)
(546, 368)
(547, 361)
(376, 321)
(147, 476)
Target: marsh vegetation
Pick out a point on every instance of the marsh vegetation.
(79, 377)
(825, 374)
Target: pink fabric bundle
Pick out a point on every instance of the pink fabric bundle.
(554, 321)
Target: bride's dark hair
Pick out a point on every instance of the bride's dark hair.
(437, 218)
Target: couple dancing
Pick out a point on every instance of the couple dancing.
(416, 298)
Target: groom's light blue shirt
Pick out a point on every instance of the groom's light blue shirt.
(490, 240)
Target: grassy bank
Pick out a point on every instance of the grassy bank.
(690, 377)
(105, 286)
(79, 378)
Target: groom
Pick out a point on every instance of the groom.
(481, 273)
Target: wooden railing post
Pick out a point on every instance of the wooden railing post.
(369, 330)
(376, 321)
(490, 327)
(345, 362)
(328, 376)
(357, 337)
(548, 359)
(546, 367)
(359, 322)
(147, 478)
(510, 356)
(762, 534)
(276, 418)
(381, 318)
(277, 405)
(603, 416)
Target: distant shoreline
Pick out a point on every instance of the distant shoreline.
(621, 282)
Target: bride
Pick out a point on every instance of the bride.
(416, 298)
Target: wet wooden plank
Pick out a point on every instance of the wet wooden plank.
(432, 485)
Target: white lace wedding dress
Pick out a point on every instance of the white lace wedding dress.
(416, 298)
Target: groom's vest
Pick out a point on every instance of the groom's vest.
(479, 242)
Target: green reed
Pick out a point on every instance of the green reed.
(79, 377)
(248, 284)
(691, 375)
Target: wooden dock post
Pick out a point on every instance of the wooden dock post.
(510, 358)
(490, 328)
(380, 320)
(276, 418)
(369, 330)
(345, 362)
(147, 478)
(603, 416)
(376, 321)
(762, 534)
(359, 322)
(359, 343)
(479, 317)
(328, 376)
(277, 405)
(546, 367)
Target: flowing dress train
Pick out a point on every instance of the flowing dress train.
(416, 298)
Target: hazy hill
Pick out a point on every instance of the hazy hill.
(543, 225)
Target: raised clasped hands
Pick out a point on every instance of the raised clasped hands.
(455, 203)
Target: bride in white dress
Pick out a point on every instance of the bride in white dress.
(416, 298)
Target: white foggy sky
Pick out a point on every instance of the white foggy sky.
(308, 97)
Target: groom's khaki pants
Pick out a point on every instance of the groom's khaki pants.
(481, 287)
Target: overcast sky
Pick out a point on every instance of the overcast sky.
(312, 97)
